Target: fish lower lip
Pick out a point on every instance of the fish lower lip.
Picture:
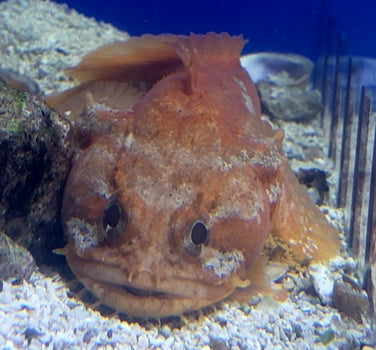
(144, 293)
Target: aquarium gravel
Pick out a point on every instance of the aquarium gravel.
(40, 315)
(38, 39)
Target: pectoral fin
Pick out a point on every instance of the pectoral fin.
(300, 223)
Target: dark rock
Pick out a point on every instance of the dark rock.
(316, 179)
(31, 333)
(289, 102)
(284, 82)
(15, 260)
(350, 299)
(326, 336)
(16, 81)
(89, 334)
(34, 162)
(218, 344)
(279, 68)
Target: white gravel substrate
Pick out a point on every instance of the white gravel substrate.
(39, 39)
(42, 308)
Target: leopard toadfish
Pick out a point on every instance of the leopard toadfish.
(177, 183)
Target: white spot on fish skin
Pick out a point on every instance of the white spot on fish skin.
(247, 99)
(222, 164)
(273, 192)
(161, 195)
(255, 208)
(223, 264)
(101, 188)
(129, 140)
(244, 155)
(310, 244)
(247, 208)
(296, 243)
(272, 159)
(83, 234)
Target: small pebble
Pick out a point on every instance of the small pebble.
(350, 300)
(89, 335)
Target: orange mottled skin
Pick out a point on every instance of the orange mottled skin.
(177, 182)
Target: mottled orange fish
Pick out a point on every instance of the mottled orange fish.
(177, 182)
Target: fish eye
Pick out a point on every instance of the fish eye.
(199, 233)
(111, 215)
(115, 219)
(195, 238)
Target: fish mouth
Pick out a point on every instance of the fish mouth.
(149, 291)
(174, 297)
(147, 302)
(138, 292)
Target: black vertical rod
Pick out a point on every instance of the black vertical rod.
(371, 218)
(359, 172)
(326, 81)
(370, 254)
(336, 103)
(343, 177)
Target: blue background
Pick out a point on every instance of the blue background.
(298, 26)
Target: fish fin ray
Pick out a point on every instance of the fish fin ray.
(147, 58)
(301, 224)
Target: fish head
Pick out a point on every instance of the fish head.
(165, 213)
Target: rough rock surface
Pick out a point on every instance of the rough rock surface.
(350, 299)
(15, 260)
(289, 102)
(284, 82)
(34, 162)
(40, 39)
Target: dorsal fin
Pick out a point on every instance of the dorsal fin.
(202, 52)
(147, 58)
(139, 62)
(211, 47)
(142, 61)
